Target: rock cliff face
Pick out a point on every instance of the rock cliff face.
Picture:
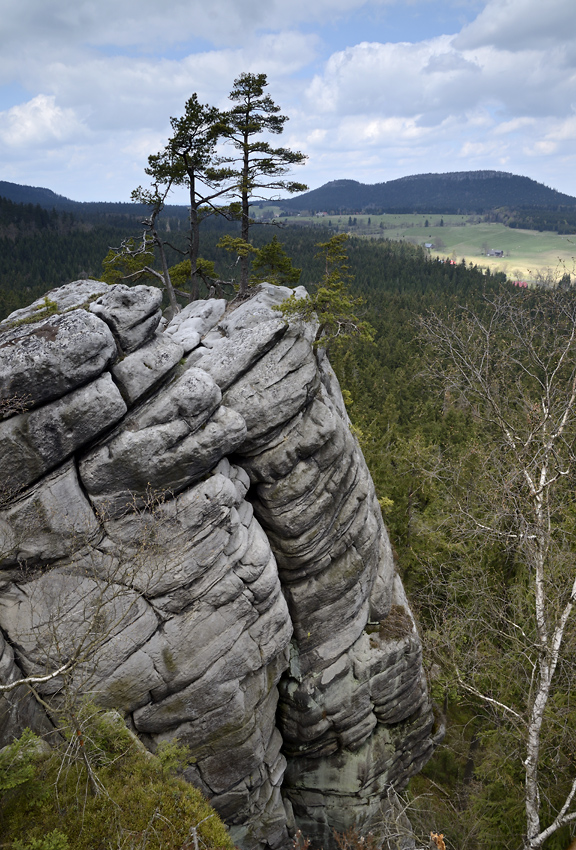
(188, 523)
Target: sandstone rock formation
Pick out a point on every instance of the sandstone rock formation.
(187, 521)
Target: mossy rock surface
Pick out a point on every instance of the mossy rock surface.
(142, 800)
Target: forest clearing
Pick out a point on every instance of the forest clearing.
(528, 254)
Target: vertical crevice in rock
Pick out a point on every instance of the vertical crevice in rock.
(354, 711)
(18, 708)
(216, 524)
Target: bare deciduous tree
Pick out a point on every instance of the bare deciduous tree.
(509, 637)
(67, 624)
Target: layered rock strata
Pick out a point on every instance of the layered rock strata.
(189, 530)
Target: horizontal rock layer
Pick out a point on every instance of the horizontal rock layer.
(188, 522)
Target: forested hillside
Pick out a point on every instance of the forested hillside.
(457, 403)
(43, 248)
(561, 219)
(414, 433)
(455, 192)
(87, 211)
(45, 198)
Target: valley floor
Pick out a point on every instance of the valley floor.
(527, 254)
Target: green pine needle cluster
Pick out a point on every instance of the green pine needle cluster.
(332, 305)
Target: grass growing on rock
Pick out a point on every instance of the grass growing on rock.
(142, 801)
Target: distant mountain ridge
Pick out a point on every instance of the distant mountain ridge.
(49, 200)
(35, 195)
(460, 191)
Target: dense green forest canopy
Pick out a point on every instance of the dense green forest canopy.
(561, 219)
(410, 432)
(42, 249)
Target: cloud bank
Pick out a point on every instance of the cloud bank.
(86, 90)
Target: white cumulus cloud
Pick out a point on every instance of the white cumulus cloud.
(97, 81)
(38, 122)
(521, 25)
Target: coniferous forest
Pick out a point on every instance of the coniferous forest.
(402, 420)
(462, 393)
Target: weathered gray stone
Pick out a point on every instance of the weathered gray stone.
(259, 308)
(229, 357)
(209, 588)
(219, 772)
(165, 445)
(355, 784)
(42, 361)
(33, 443)
(59, 613)
(276, 388)
(183, 541)
(193, 398)
(19, 709)
(315, 499)
(380, 600)
(192, 323)
(211, 666)
(141, 370)
(51, 520)
(71, 296)
(132, 312)
(200, 698)
(303, 435)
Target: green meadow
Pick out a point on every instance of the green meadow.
(527, 253)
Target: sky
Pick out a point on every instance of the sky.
(374, 89)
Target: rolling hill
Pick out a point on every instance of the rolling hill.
(455, 192)
(45, 198)
(88, 210)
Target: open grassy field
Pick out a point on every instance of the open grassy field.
(527, 253)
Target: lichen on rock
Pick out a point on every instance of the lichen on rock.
(188, 515)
